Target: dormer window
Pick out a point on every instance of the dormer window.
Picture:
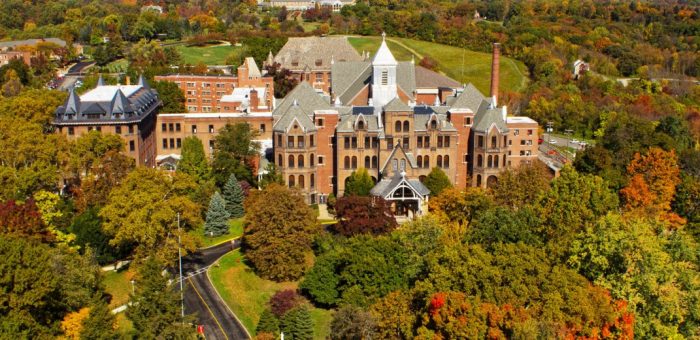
(319, 62)
(433, 124)
(361, 125)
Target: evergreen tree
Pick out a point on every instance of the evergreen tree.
(359, 183)
(155, 308)
(297, 324)
(268, 323)
(193, 161)
(233, 194)
(217, 216)
(99, 324)
(437, 181)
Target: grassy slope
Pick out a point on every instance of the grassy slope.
(247, 294)
(118, 285)
(235, 230)
(477, 65)
(209, 55)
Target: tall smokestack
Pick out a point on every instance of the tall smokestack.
(495, 70)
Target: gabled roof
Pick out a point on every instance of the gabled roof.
(253, 70)
(315, 52)
(294, 114)
(488, 116)
(349, 78)
(386, 187)
(120, 104)
(426, 78)
(305, 97)
(411, 160)
(470, 99)
(396, 105)
(347, 122)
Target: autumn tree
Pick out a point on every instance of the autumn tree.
(363, 215)
(23, 219)
(285, 300)
(233, 196)
(395, 316)
(193, 160)
(437, 181)
(72, 324)
(359, 183)
(350, 322)
(461, 206)
(217, 217)
(108, 173)
(653, 180)
(283, 79)
(155, 306)
(518, 187)
(144, 211)
(89, 148)
(279, 229)
(100, 323)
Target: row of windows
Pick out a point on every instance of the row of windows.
(170, 127)
(208, 85)
(117, 129)
(370, 162)
(299, 161)
(299, 181)
(300, 140)
(492, 161)
(174, 143)
(517, 132)
(494, 141)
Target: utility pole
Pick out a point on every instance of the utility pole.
(179, 256)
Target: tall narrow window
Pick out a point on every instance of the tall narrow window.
(300, 161)
(290, 162)
(405, 126)
(385, 77)
(397, 126)
(301, 181)
(446, 162)
(312, 181)
(346, 162)
(439, 161)
(291, 181)
(419, 161)
(312, 159)
(354, 162)
(367, 162)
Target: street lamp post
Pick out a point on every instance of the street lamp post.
(133, 288)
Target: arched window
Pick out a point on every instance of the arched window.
(300, 159)
(419, 161)
(346, 162)
(279, 160)
(375, 162)
(446, 162)
(405, 126)
(479, 161)
(291, 181)
(490, 161)
(433, 124)
(478, 180)
(367, 162)
(397, 126)
(495, 161)
(312, 181)
(494, 141)
(354, 162)
(291, 161)
(426, 162)
(439, 161)
(301, 181)
(312, 160)
(361, 125)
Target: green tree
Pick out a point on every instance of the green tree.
(217, 217)
(297, 324)
(271, 175)
(279, 230)
(143, 211)
(234, 150)
(437, 181)
(172, 96)
(87, 228)
(351, 322)
(155, 306)
(359, 183)
(268, 323)
(193, 160)
(99, 324)
(233, 196)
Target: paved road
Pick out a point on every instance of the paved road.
(201, 297)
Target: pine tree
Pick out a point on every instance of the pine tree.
(99, 324)
(233, 194)
(155, 308)
(268, 323)
(217, 216)
(297, 324)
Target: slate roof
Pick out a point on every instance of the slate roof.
(488, 115)
(470, 99)
(306, 51)
(349, 78)
(294, 113)
(347, 122)
(426, 78)
(384, 187)
(396, 105)
(306, 98)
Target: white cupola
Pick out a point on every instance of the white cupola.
(384, 87)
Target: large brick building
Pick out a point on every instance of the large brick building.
(126, 110)
(249, 90)
(398, 121)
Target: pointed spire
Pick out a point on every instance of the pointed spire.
(270, 58)
(120, 104)
(73, 102)
(384, 55)
(143, 82)
(100, 81)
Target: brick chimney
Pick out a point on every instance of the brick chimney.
(495, 70)
(254, 99)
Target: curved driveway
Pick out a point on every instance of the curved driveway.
(201, 297)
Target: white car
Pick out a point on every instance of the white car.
(575, 141)
(552, 141)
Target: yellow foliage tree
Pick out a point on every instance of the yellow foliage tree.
(72, 323)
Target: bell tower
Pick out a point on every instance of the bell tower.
(383, 76)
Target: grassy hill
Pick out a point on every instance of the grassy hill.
(209, 55)
(460, 64)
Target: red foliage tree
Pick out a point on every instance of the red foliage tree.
(285, 300)
(364, 215)
(23, 220)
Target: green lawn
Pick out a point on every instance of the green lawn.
(460, 64)
(235, 230)
(209, 55)
(118, 285)
(119, 65)
(247, 294)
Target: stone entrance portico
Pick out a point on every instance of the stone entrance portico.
(408, 197)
